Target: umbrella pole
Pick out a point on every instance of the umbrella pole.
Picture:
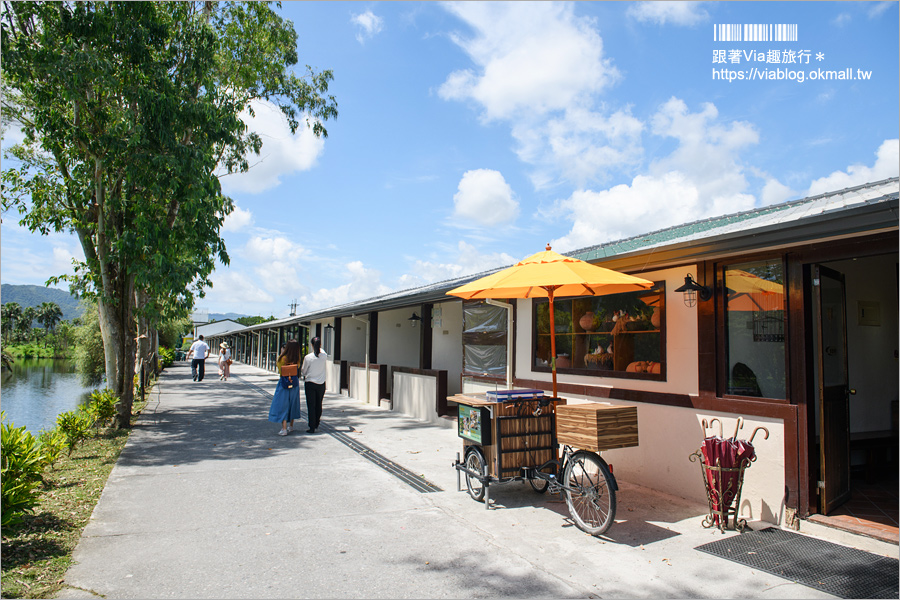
(552, 342)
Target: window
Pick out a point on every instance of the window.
(484, 339)
(754, 329)
(614, 335)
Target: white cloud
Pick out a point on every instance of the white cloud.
(363, 283)
(233, 291)
(887, 164)
(707, 153)
(579, 145)
(238, 220)
(701, 178)
(539, 67)
(369, 25)
(774, 192)
(663, 12)
(842, 19)
(879, 8)
(530, 58)
(282, 153)
(467, 261)
(484, 197)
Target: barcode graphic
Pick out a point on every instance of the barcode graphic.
(755, 32)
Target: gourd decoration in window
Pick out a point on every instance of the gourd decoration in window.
(603, 334)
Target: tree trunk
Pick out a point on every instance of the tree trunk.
(142, 355)
(154, 350)
(117, 328)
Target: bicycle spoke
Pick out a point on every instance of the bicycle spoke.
(590, 497)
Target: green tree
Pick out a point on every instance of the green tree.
(24, 324)
(89, 357)
(10, 315)
(48, 315)
(130, 110)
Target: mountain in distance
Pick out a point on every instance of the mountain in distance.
(35, 295)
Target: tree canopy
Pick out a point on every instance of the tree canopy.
(129, 111)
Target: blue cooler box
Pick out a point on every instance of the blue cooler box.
(511, 395)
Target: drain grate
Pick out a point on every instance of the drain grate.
(839, 570)
(416, 482)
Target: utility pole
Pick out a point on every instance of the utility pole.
(293, 306)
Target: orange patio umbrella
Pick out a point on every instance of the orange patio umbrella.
(546, 275)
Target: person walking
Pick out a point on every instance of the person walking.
(199, 350)
(286, 401)
(313, 373)
(224, 361)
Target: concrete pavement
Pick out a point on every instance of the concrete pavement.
(206, 501)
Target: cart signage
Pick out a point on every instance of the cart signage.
(473, 424)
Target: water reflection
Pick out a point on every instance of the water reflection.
(36, 390)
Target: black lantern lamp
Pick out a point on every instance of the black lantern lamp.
(414, 319)
(692, 290)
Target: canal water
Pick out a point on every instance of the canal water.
(35, 390)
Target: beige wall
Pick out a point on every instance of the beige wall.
(669, 435)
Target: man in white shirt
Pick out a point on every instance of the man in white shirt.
(199, 350)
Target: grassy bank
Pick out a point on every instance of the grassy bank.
(37, 350)
(37, 553)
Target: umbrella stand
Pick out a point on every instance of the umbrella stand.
(722, 464)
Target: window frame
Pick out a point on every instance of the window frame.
(480, 375)
(659, 286)
(721, 333)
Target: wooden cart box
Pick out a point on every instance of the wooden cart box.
(596, 426)
(512, 436)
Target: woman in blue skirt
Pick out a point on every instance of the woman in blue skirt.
(286, 401)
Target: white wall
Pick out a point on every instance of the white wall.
(446, 344)
(398, 340)
(358, 384)
(416, 396)
(872, 360)
(353, 340)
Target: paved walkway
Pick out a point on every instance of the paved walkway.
(207, 501)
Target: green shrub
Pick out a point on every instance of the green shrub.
(166, 357)
(75, 425)
(102, 407)
(53, 443)
(22, 464)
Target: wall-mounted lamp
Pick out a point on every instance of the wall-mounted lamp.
(414, 319)
(692, 290)
(329, 326)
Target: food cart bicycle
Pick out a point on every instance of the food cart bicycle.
(518, 438)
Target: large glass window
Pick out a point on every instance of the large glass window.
(484, 339)
(754, 328)
(604, 335)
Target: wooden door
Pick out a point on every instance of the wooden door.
(833, 389)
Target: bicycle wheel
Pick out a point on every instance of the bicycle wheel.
(590, 496)
(539, 485)
(475, 462)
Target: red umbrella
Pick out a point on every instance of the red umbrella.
(728, 457)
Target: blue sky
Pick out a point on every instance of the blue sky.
(470, 135)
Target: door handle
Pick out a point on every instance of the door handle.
(851, 391)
